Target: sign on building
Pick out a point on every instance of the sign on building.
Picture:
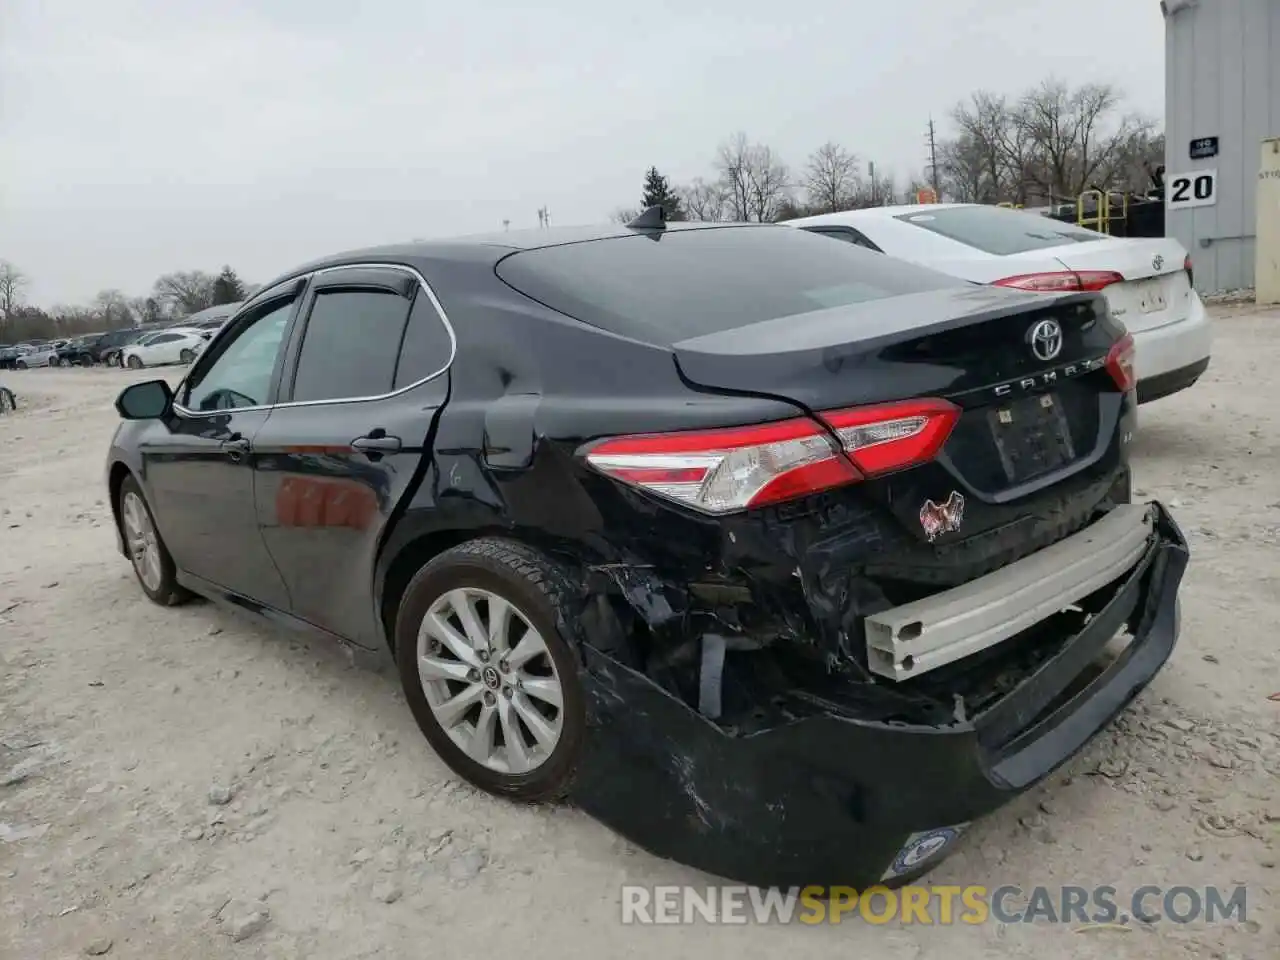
(1199, 188)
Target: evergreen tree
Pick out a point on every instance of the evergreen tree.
(228, 288)
(658, 192)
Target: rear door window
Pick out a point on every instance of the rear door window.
(427, 347)
(691, 282)
(350, 345)
(998, 230)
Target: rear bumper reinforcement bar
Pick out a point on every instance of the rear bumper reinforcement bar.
(917, 637)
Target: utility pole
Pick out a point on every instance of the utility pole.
(506, 224)
(933, 161)
(875, 187)
(544, 217)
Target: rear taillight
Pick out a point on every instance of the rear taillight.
(720, 471)
(1186, 265)
(1066, 282)
(1120, 363)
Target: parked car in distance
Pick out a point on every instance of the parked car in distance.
(77, 352)
(682, 521)
(210, 318)
(107, 350)
(1147, 282)
(9, 355)
(41, 355)
(173, 345)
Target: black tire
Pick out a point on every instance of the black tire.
(539, 588)
(133, 363)
(20, 365)
(86, 361)
(8, 402)
(167, 593)
(186, 356)
(112, 360)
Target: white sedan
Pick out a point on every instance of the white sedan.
(173, 345)
(1147, 282)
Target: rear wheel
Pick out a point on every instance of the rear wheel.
(112, 360)
(133, 363)
(489, 678)
(186, 356)
(150, 557)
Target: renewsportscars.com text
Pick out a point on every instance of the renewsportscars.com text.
(940, 905)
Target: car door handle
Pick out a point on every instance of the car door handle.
(376, 442)
(236, 447)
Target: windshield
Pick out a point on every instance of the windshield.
(687, 283)
(999, 230)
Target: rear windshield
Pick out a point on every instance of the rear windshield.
(999, 230)
(689, 283)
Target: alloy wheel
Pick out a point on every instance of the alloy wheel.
(134, 363)
(140, 535)
(490, 681)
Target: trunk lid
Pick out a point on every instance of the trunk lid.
(1156, 290)
(1035, 437)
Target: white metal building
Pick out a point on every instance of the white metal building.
(1222, 98)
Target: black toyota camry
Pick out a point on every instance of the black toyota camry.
(781, 557)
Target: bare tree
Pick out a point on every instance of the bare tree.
(623, 215)
(963, 169)
(830, 179)
(1074, 149)
(877, 190)
(733, 160)
(705, 201)
(12, 283)
(753, 178)
(185, 292)
(113, 306)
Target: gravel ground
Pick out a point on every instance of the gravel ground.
(185, 783)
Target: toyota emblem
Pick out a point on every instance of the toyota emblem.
(1157, 262)
(1046, 339)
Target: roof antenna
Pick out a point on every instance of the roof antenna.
(653, 218)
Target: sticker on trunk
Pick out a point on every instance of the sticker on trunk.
(922, 847)
(939, 518)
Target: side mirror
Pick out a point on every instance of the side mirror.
(145, 401)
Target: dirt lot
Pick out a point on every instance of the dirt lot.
(122, 724)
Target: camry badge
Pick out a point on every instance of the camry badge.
(937, 519)
(1046, 339)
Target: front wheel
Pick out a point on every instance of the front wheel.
(492, 683)
(20, 365)
(150, 557)
(133, 363)
(186, 356)
(86, 361)
(8, 402)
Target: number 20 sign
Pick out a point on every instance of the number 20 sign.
(1199, 188)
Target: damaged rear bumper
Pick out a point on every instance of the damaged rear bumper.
(833, 800)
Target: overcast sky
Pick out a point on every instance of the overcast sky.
(139, 137)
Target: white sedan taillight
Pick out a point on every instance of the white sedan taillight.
(720, 471)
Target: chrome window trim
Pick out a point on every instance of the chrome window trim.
(403, 268)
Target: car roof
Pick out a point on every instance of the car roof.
(875, 213)
(484, 247)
